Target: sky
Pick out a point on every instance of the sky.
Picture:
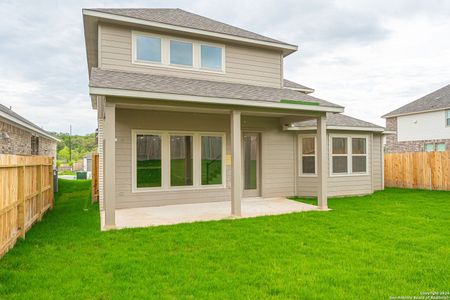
(369, 56)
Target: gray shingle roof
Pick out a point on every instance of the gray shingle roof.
(339, 120)
(295, 85)
(439, 99)
(16, 116)
(193, 87)
(179, 17)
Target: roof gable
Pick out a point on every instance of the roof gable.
(439, 99)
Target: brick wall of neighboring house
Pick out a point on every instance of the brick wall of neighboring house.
(393, 145)
(15, 140)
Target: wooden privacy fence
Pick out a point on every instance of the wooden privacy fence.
(26, 193)
(417, 170)
(95, 178)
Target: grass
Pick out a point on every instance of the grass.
(394, 242)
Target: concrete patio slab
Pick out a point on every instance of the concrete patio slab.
(187, 213)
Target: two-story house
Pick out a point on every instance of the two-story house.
(193, 110)
(421, 125)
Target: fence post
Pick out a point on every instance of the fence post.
(39, 190)
(52, 191)
(21, 215)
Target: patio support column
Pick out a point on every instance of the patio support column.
(322, 162)
(110, 165)
(236, 166)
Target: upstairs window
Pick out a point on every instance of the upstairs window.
(447, 117)
(148, 48)
(173, 52)
(181, 53)
(211, 57)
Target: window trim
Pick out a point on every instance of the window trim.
(169, 51)
(165, 160)
(134, 59)
(165, 53)
(200, 57)
(300, 155)
(349, 155)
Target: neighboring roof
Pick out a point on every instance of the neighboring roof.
(439, 99)
(296, 86)
(200, 88)
(179, 17)
(12, 116)
(341, 120)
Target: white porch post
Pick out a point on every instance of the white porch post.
(322, 162)
(236, 167)
(110, 165)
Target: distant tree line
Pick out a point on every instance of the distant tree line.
(72, 148)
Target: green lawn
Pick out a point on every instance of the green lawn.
(393, 243)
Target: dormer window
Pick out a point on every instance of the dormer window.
(181, 53)
(173, 52)
(148, 48)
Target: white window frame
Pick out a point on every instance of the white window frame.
(349, 155)
(135, 60)
(165, 53)
(165, 160)
(447, 117)
(200, 56)
(300, 155)
(186, 42)
(425, 147)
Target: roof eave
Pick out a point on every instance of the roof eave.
(336, 127)
(209, 100)
(286, 48)
(390, 115)
(27, 126)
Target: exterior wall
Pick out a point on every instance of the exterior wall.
(19, 141)
(352, 184)
(242, 64)
(393, 145)
(278, 159)
(423, 126)
(277, 154)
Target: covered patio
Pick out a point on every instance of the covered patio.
(198, 212)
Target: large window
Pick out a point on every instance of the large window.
(171, 52)
(211, 57)
(307, 159)
(148, 48)
(181, 160)
(348, 155)
(211, 160)
(165, 160)
(180, 53)
(148, 161)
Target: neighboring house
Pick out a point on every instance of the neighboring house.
(422, 125)
(22, 137)
(194, 110)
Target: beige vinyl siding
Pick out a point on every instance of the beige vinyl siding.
(126, 120)
(277, 155)
(349, 185)
(242, 64)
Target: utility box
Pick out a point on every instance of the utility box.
(55, 180)
(81, 175)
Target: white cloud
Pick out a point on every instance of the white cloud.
(370, 56)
